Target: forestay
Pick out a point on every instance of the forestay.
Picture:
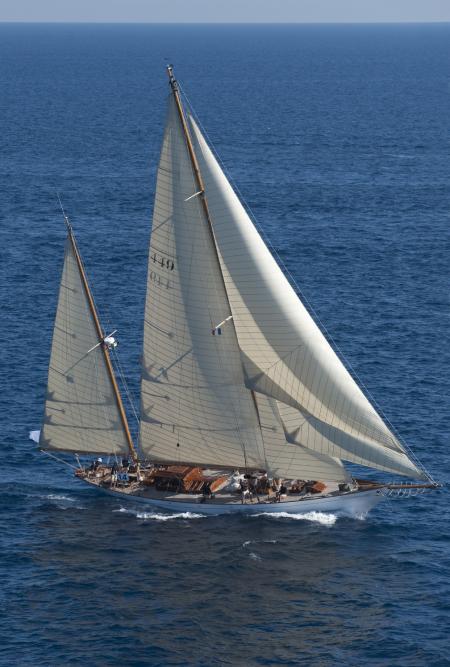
(81, 413)
(285, 355)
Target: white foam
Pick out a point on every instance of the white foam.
(168, 517)
(254, 556)
(248, 542)
(55, 496)
(317, 517)
(155, 516)
(63, 502)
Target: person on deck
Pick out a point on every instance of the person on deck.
(252, 488)
(245, 491)
(95, 464)
(276, 486)
(114, 471)
(206, 491)
(263, 485)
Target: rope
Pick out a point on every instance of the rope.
(128, 392)
(120, 372)
(44, 451)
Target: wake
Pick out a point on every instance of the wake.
(316, 517)
(155, 516)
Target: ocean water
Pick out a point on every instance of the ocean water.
(337, 137)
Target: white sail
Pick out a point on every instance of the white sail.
(81, 413)
(194, 404)
(195, 407)
(303, 429)
(284, 353)
(292, 460)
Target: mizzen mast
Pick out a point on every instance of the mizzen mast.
(103, 345)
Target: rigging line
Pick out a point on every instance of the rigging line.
(98, 379)
(296, 287)
(44, 451)
(106, 317)
(66, 219)
(125, 384)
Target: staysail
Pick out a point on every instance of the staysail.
(81, 410)
(292, 460)
(285, 355)
(195, 407)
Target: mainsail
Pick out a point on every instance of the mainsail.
(284, 354)
(81, 407)
(195, 407)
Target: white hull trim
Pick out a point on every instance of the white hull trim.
(350, 504)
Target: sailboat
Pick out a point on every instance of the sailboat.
(245, 406)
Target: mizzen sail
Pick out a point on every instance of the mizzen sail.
(81, 411)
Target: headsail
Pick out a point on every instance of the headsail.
(285, 355)
(81, 410)
(291, 460)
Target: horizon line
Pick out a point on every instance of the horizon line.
(286, 23)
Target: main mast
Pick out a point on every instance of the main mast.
(104, 347)
(192, 156)
(201, 193)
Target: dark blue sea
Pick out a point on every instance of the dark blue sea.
(338, 139)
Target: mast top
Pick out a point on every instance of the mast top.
(173, 82)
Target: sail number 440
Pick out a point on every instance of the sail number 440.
(164, 262)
